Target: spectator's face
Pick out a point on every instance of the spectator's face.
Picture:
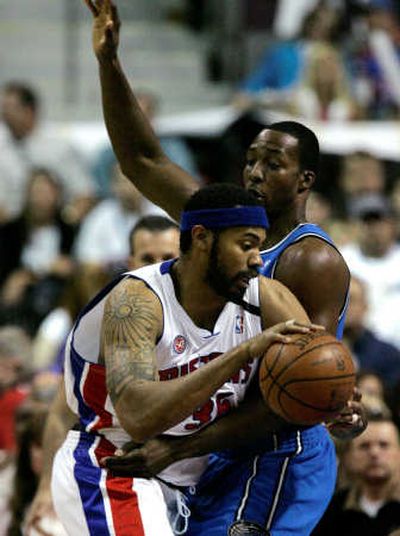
(10, 369)
(371, 385)
(16, 116)
(43, 197)
(377, 235)
(362, 175)
(151, 247)
(375, 455)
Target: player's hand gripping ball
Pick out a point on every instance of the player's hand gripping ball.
(309, 380)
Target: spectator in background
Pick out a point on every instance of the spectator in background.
(323, 92)
(35, 254)
(15, 358)
(25, 144)
(102, 243)
(284, 63)
(175, 147)
(370, 506)
(374, 60)
(395, 201)
(153, 239)
(375, 259)
(320, 211)
(370, 384)
(30, 423)
(361, 173)
(371, 353)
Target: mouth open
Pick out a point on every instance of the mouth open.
(260, 198)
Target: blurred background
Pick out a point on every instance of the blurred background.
(209, 74)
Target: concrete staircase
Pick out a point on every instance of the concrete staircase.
(48, 44)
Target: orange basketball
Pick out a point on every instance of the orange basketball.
(309, 380)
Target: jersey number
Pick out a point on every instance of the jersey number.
(204, 414)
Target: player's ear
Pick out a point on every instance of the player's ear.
(202, 237)
(307, 179)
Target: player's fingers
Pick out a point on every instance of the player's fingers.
(127, 472)
(292, 326)
(107, 6)
(92, 7)
(115, 15)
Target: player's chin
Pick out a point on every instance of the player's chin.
(236, 293)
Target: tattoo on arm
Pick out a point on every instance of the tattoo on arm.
(129, 331)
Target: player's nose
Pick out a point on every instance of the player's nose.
(255, 261)
(255, 173)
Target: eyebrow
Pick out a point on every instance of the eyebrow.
(273, 150)
(251, 234)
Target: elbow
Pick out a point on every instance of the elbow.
(136, 427)
(136, 422)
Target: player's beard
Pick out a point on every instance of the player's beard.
(219, 280)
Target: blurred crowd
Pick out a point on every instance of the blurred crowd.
(341, 62)
(67, 228)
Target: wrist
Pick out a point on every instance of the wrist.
(108, 61)
(184, 447)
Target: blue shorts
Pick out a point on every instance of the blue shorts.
(282, 490)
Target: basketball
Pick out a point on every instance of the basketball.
(309, 380)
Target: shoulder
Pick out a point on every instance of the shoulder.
(312, 255)
(133, 300)
(278, 303)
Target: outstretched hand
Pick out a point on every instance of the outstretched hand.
(351, 421)
(142, 461)
(106, 25)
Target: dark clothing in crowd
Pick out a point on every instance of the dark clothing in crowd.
(13, 237)
(345, 517)
(379, 357)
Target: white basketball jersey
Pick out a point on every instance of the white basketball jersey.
(182, 349)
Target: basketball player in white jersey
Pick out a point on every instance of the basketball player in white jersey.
(167, 349)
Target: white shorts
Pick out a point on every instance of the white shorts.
(90, 501)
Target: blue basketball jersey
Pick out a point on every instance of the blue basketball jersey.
(271, 257)
(285, 487)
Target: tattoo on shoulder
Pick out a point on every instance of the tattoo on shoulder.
(129, 330)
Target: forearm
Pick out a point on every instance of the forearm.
(246, 426)
(146, 409)
(136, 146)
(130, 132)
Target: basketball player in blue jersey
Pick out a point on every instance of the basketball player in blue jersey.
(275, 490)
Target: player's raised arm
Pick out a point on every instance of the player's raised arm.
(134, 141)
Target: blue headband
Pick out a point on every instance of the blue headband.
(220, 218)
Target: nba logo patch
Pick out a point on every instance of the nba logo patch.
(239, 325)
(179, 345)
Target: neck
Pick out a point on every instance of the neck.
(377, 491)
(280, 226)
(196, 297)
